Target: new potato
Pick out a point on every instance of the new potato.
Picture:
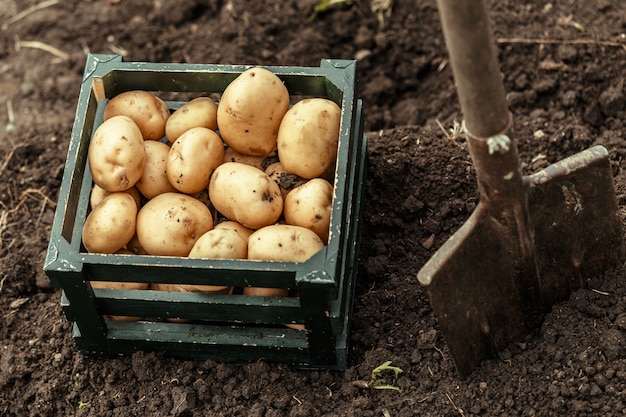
(231, 155)
(199, 112)
(220, 243)
(243, 231)
(265, 292)
(192, 159)
(286, 181)
(148, 111)
(310, 206)
(98, 194)
(117, 154)
(154, 179)
(245, 194)
(283, 242)
(250, 111)
(111, 224)
(171, 223)
(120, 285)
(309, 136)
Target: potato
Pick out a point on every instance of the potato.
(193, 158)
(147, 110)
(286, 181)
(199, 112)
(117, 154)
(220, 243)
(283, 242)
(309, 136)
(310, 206)
(154, 179)
(250, 111)
(115, 285)
(111, 224)
(98, 194)
(171, 223)
(265, 292)
(231, 155)
(134, 247)
(245, 194)
(203, 197)
(209, 289)
(243, 231)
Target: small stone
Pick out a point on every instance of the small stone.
(612, 100)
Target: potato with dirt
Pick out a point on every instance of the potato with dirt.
(250, 111)
(220, 243)
(308, 138)
(121, 285)
(286, 181)
(192, 159)
(310, 205)
(284, 242)
(231, 155)
(245, 194)
(199, 112)
(111, 224)
(243, 231)
(171, 223)
(154, 179)
(117, 155)
(148, 111)
(98, 194)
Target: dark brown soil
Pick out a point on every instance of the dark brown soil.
(566, 92)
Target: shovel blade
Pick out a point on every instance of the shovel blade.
(486, 294)
(483, 293)
(576, 222)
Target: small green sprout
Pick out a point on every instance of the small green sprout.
(382, 10)
(82, 405)
(381, 378)
(325, 5)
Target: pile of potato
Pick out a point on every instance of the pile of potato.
(247, 178)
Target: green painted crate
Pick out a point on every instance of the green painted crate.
(231, 328)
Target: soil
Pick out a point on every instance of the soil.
(564, 66)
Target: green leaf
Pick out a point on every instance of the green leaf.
(380, 377)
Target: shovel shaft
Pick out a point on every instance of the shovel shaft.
(477, 76)
(487, 118)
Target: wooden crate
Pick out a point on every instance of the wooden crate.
(222, 327)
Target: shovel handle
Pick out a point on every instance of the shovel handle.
(477, 76)
(488, 121)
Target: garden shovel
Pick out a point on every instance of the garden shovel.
(531, 240)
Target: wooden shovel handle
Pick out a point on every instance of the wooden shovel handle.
(472, 53)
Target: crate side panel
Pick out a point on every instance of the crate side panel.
(206, 80)
(188, 271)
(192, 341)
(225, 308)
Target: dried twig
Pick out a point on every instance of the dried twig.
(4, 217)
(459, 410)
(561, 42)
(42, 46)
(28, 11)
(457, 130)
(7, 159)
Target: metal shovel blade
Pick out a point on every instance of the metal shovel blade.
(486, 294)
(576, 222)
